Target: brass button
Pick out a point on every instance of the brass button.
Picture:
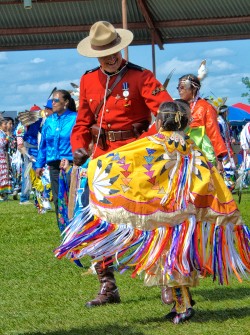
(107, 110)
(109, 125)
(90, 100)
(126, 98)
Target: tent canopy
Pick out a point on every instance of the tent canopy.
(57, 24)
(238, 116)
(242, 106)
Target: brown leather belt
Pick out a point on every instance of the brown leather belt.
(119, 135)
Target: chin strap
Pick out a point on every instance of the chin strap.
(104, 103)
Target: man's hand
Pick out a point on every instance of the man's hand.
(39, 172)
(80, 156)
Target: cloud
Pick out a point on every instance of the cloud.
(37, 60)
(35, 93)
(224, 85)
(218, 52)
(26, 72)
(3, 56)
(220, 65)
(181, 67)
(184, 67)
(14, 98)
(46, 87)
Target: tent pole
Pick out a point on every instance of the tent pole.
(124, 24)
(153, 51)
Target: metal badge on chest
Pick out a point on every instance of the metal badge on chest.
(125, 93)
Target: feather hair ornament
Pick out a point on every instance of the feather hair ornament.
(52, 92)
(75, 93)
(29, 117)
(202, 71)
(189, 80)
(217, 102)
(167, 79)
(75, 86)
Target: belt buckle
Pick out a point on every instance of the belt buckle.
(111, 138)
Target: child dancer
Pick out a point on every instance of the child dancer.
(158, 206)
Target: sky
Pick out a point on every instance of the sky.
(28, 77)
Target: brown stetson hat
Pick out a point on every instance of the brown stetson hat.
(104, 40)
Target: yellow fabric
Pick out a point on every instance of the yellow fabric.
(128, 184)
(36, 182)
(38, 186)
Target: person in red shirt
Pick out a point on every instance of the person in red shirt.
(129, 94)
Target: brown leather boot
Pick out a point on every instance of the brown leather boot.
(167, 295)
(108, 292)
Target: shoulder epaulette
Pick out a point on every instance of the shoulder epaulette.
(89, 71)
(136, 67)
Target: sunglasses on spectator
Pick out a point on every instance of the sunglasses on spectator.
(55, 100)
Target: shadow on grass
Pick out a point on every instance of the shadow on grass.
(113, 329)
(220, 315)
(219, 294)
(216, 294)
(140, 298)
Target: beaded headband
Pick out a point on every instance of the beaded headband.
(189, 81)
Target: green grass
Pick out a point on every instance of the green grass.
(42, 295)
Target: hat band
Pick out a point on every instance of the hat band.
(107, 46)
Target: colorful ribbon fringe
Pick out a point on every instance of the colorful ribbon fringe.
(63, 196)
(218, 250)
(179, 184)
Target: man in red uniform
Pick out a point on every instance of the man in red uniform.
(116, 101)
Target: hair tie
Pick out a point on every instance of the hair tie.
(178, 116)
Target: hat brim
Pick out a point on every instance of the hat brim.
(84, 47)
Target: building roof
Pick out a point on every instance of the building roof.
(59, 24)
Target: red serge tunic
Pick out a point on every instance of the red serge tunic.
(204, 114)
(145, 95)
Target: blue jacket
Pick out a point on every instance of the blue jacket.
(31, 135)
(55, 138)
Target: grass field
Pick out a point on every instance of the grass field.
(42, 295)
